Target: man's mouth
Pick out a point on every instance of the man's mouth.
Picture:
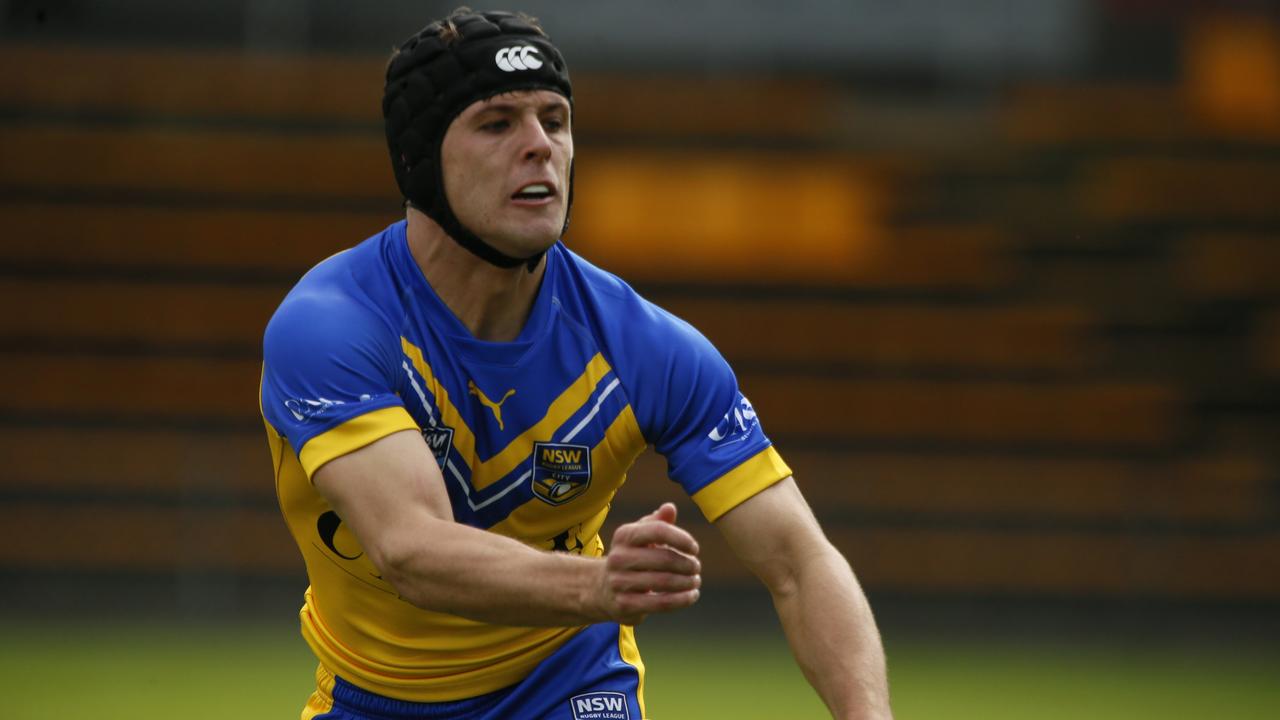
(534, 192)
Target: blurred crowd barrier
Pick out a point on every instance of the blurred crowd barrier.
(1030, 346)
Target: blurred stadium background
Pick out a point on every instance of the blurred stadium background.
(1002, 278)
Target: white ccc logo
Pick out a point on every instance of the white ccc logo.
(520, 57)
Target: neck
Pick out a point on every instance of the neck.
(493, 303)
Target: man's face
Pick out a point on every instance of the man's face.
(506, 169)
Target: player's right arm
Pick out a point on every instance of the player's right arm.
(392, 496)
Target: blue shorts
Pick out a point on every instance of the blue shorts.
(586, 679)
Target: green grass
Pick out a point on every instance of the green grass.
(144, 671)
(139, 671)
(1080, 680)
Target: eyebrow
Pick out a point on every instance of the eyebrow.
(502, 107)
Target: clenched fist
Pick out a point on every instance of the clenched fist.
(652, 566)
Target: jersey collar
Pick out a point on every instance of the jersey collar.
(443, 320)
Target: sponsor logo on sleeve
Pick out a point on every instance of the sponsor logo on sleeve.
(440, 439)
(736, 424)
(600, 706)
(561, 472)
(304, 409)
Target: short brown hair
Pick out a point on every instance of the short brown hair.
(447, 30)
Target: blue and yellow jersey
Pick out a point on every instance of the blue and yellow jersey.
(533, 438)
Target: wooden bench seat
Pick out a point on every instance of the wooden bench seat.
(197, 163)
(1087, 413)
(116, 537)
(174, 389)
(702, 214)
(896, 336)
(152, 314)
(70, 461)
(1267, 343)
(1096, 112)
(1044, 562)
(792, 331)
(193, 83)
(850, 487)
(672, 106)
(213, 241)
(922, 557)
(1170, 188)
(1216, 488)
(1231, 70)
(963, 258)
(1230, 265)
(1095, 413)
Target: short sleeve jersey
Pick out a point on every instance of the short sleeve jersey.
(533, 439)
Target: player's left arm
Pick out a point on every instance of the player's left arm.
(823, 610)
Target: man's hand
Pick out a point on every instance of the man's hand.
(652, 567)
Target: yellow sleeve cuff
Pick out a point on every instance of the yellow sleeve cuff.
(353, 435)
(729, 490)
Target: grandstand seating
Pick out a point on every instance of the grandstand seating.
(996, 369)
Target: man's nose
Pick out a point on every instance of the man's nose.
(537, 144)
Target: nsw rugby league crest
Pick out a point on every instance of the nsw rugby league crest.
(561, 472)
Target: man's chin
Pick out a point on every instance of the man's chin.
(528, 241)
(525, 246)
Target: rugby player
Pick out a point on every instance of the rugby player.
(452, 404)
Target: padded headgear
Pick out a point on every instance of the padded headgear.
(431, 80)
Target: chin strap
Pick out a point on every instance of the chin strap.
(473, 244)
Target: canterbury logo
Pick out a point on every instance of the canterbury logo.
(520, 57)
(496, 407)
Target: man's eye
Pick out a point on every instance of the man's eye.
(553, 125)
(495, 126)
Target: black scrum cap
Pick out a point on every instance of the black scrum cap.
(432, 79)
